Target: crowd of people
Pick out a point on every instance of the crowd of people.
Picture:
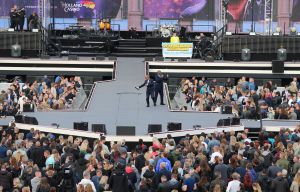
(217, 162)
(44, 95)
(246, 99)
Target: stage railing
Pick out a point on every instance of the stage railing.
(190, 28)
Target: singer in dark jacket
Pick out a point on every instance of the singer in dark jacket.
(150, 85)
(159, 86)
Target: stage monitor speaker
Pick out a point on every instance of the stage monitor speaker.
(19, 119)
(112, 58)
(224, 122)
(99, 128)
(226, 109)
(174, 126)
(159, 59)
(149, 59)
(45, 57)
(277, 66)
(100, 58)
(30, 120)
(126, 130)
(16, 50)
(182, 60)
(83, 126)
(235, 121)
(28, 107)
(73, 57)
(209, 59)
(154, 128)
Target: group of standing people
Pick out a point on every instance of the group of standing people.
(154, 87)
(17, 19)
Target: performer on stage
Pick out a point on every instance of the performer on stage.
(32, 21)
(14, 18)
(175, 38)
(21, 14)
(159, 86)
(149, 83)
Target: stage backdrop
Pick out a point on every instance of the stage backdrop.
(68, 8)
(178, 9)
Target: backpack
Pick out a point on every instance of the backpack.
(248, 179)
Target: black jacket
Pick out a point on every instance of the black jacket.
(140, 162)
(150, 85)
(6, 180)
(118, 182)
(280, 184)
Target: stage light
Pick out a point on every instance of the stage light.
(35, 30)
(11, 29)
(277, 31)
(228, 33)
(281, 54)
(246, 54)
(293, 31)
(252, 33)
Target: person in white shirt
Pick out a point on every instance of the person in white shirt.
(235, 184)
(216, 153)
(87, 180)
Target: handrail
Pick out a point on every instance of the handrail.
(177, 25)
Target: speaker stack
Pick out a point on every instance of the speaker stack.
(154, 128)
(174, 126)
(99, 128)
(83, 126)
(277, 66)
(126, 130)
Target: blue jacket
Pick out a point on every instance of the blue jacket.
(168, 164)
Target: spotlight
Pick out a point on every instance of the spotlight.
(293, 31)
(277, 31)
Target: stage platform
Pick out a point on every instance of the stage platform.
(30, 43)
(54, 66)
(224, 69)
(263, 48)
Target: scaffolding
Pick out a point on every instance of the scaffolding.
(268, 16)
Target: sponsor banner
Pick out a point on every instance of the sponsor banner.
(175, 50)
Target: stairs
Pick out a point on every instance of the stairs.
(133, 47)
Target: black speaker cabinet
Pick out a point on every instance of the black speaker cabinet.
(174, 126)
(28, 107)
(100, 58)
(30, 120)
(154, 128)
(72, 57)
(277, 66)
(45, 57)
(125, 130)
(19, 119)
(235, 121)
(99, 128)
(224, 122)
(83, 126)
(226, 109)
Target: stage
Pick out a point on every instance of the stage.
(30, 43)
(263, 48)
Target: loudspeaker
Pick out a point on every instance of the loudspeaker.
(19, 119)
(182, 60)
(28, 107)
(72, 57)
(174, 126)
(149, 59)
(209, 59)
(112, 58)
(224, 122)
(159, 59)
(45, 56)
(30, 120)
(100, 58)
(83, 126)
(99, 128)
(277, 66)
(125, 130)
(154, 128)
(226, 109)
(235, 121)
